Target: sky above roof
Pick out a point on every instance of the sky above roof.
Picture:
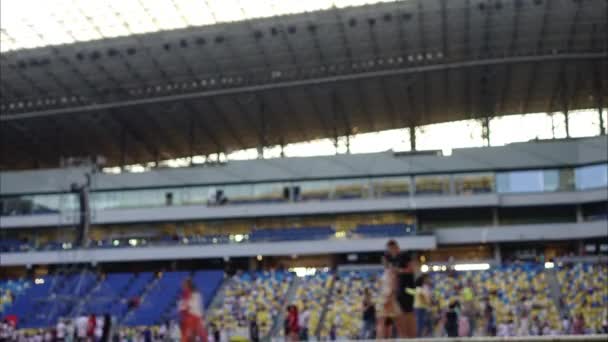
(36, 23)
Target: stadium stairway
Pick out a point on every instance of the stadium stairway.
(142, 295)
(218, 299)
(79, 308)
(555, 290)
(289, 299)
(159, 302)
(324, 311)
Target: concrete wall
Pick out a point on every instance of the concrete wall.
(182, 213)
(447, 236)
(214, 251)
(547, 154)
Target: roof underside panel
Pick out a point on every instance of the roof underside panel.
(293, 78)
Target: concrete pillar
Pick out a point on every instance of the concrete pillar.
(452, 185)
(253, 264)
(579, 214)
(123, 150)
(497, 254)
(412, 186)
(495, 219)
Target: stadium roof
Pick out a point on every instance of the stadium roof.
(245, 83)
(56, 22)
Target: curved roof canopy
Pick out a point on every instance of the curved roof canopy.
(246, 83)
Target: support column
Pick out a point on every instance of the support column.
(567, 122)
(602, 128)
(260, 152)
(495, 218)
(579, 214)
(452, 185)
(412, 138)
(123, 150)
(497, 254)
(348, 144)
(599, 94)
(336, 144)
(282, 150)
(485, 129)
(85, 213)
(552, 125)
(191, 139)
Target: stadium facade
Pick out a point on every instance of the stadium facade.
(537, 191)
(76, 233)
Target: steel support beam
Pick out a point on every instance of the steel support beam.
(485, 129)
(412, 130)
(599, 95)
(602, 128)
(564, 102)
(310, 82)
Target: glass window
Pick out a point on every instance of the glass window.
(391, 186)
(475, 183)
(192, 195)
(350, 188)
(269, 191)
(129, 199)
(38, 204)
(591, 176)
(535, 181)
(432, 185)
(312, 190)
(237, 193)
(521, 181)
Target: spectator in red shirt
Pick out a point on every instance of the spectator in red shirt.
(91, 328)
(293, 328)
(578, 327)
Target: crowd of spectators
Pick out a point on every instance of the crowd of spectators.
(512, 300)
(584, 294)
(251, 298)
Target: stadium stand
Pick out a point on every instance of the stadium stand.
(11, 290)
(259, 294)
(383, 230)
(509, 288)
(312, 292)
(345, 299)
(159, 299)
(287, 234)
(107, 295)
(584, 289)
(268, 150)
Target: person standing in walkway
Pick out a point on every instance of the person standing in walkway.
(191, 314)
(405, 268)
(369, 316)
(422, 305)
(292, 323)
(388, 306)
(304, 319)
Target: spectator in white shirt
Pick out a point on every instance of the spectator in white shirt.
(82, 323)
(60, 328)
